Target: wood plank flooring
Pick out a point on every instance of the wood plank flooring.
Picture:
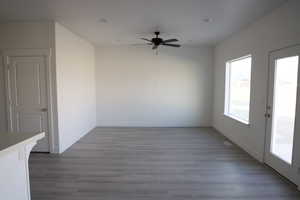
(154, 164)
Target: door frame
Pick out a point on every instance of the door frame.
(295, 180)
(46, 53)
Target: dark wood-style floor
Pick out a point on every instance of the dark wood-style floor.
(154, 164)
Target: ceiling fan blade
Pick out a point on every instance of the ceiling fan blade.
(172, 45)
(146, 39)
(141, 44)
(170, 40)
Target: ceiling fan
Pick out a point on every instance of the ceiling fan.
(157, 41)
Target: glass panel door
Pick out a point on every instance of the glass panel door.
(282, 120)
(284, 107)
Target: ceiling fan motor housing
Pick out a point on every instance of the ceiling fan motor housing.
(157, 41)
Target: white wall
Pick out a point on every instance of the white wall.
(20, 35)
(136, 88)
(75, 74)
(279, 29)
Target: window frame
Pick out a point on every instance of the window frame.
(228, 90)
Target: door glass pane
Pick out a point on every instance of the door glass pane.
(284, 107)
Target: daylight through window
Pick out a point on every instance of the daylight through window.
(238, 81)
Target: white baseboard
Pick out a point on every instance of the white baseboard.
(66, 146)
(249, 151)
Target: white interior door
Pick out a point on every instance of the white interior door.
(283, 111)
(26, 78)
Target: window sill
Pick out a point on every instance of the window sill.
(237, 119)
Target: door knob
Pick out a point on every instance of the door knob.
(44, 109)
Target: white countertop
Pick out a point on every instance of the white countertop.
(11, 141)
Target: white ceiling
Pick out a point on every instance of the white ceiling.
(128, 20)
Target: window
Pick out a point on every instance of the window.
(237, 92)
(284, 109)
